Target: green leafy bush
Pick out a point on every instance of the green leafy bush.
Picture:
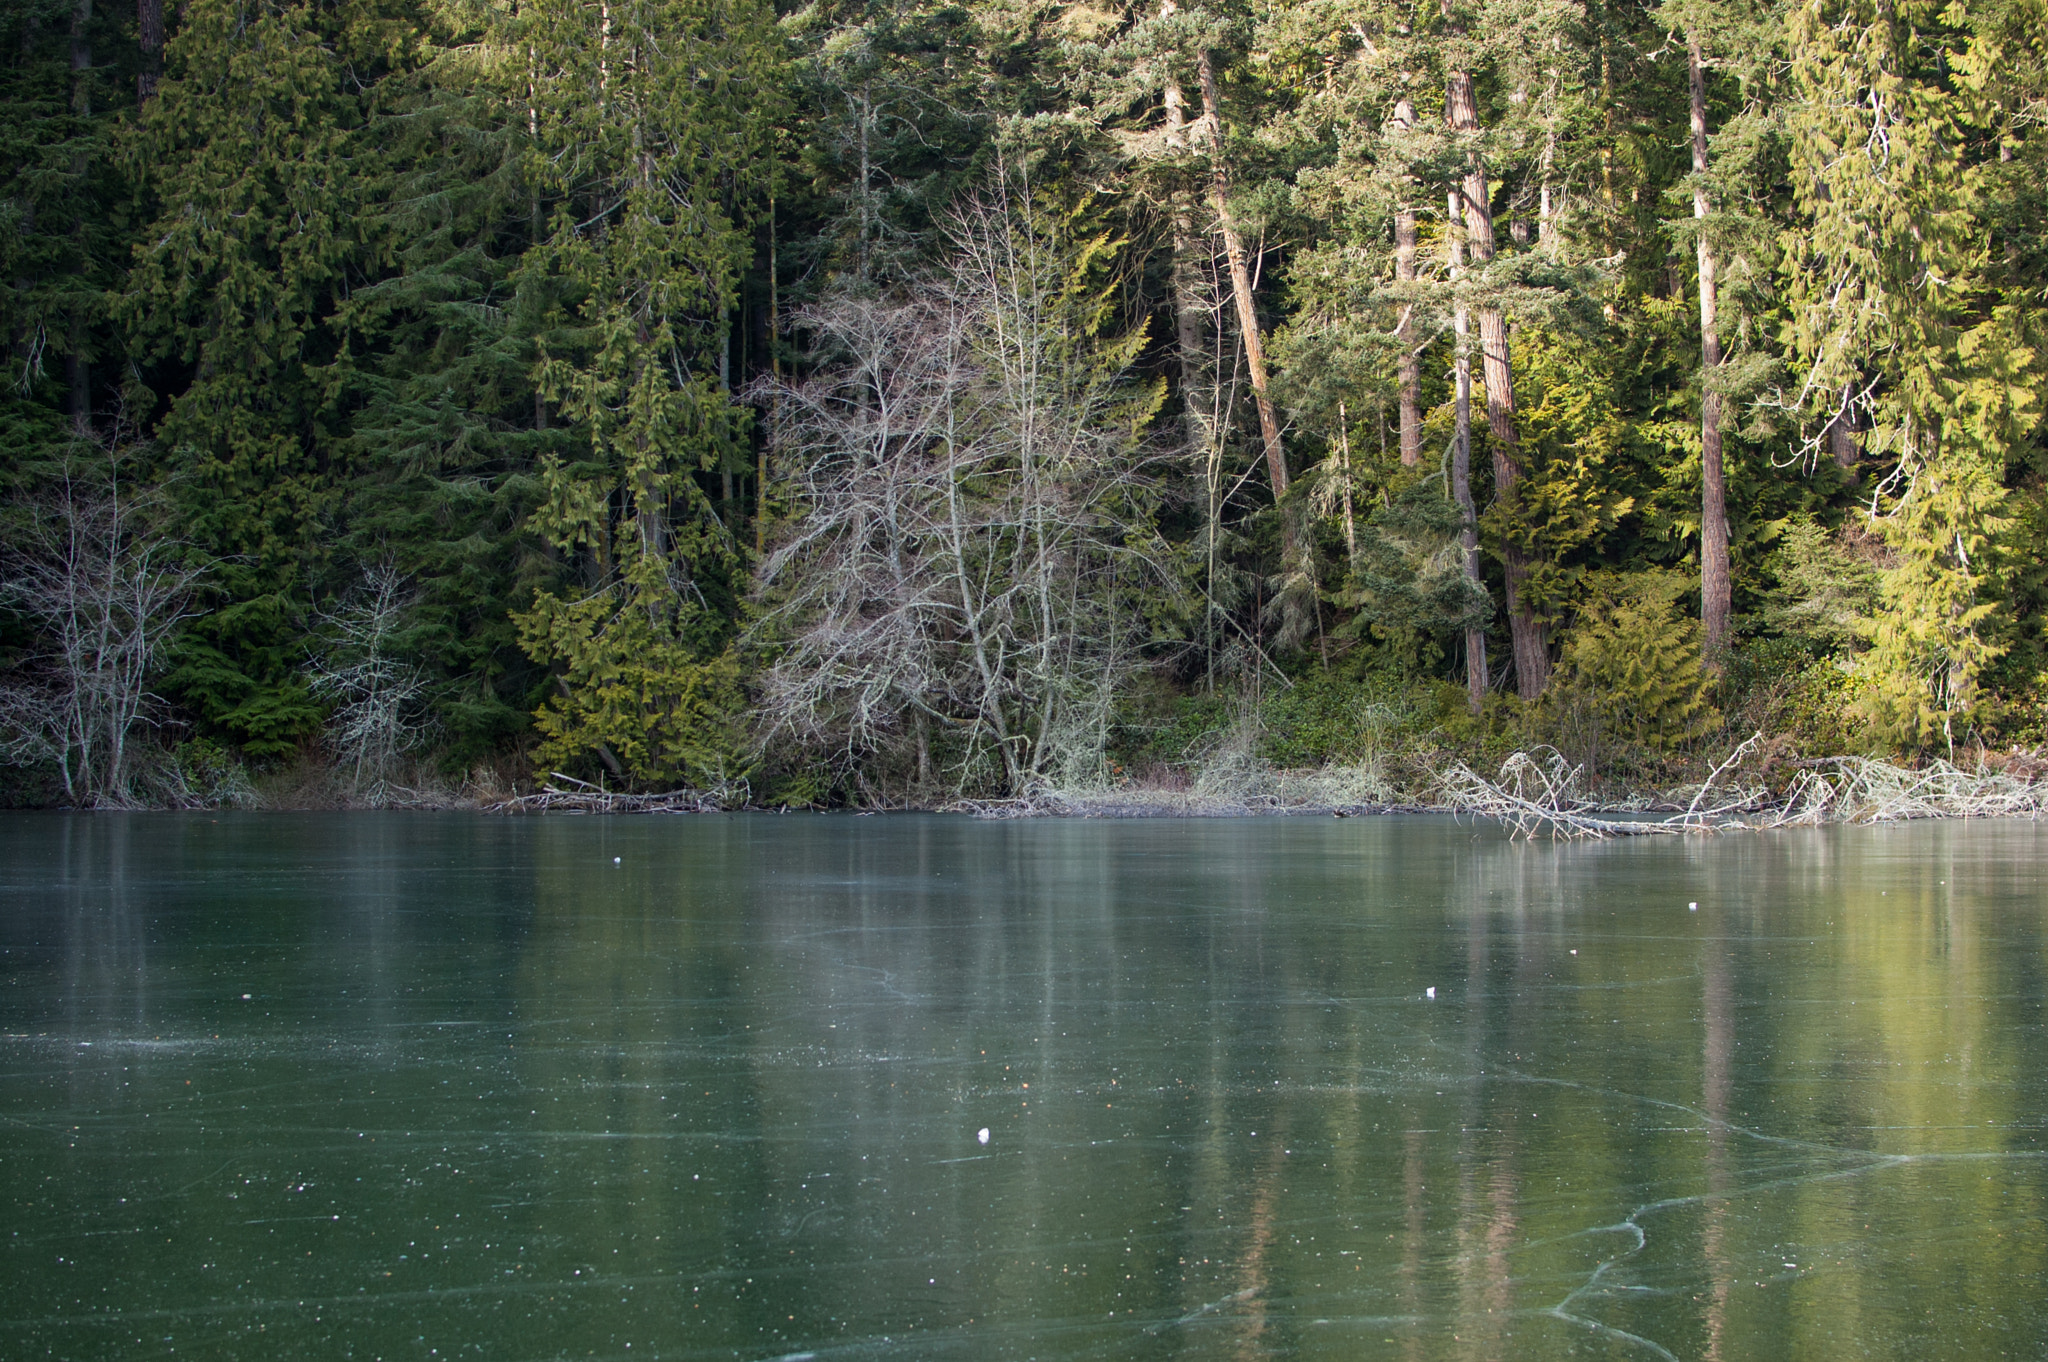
(1325, 718)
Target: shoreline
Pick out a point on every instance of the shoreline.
(1535, 792)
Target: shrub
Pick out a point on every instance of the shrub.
(1630, 677)
(1324, 718)
(1827, 584)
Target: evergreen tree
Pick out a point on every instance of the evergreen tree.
(65, 230)
(253, 146)
(652, 128)
(1889, 306)
(437, 353)
(1721, 238)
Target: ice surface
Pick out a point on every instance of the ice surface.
(774, 1087)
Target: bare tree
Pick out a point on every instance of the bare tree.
(965, 569)
(104, 595)
(378, 697)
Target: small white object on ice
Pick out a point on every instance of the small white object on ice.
(1692, 907)
(982, 1135)
(1429, 993)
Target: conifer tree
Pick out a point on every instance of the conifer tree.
(436, 351)
(251, 145)
(1720, 234)
(652, 127)
(897, 102)
(64, 235)
(1888, 304)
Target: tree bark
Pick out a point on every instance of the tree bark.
(1531, 648)
(1842, 436)
(1241, 288)
(78, 370)
(1187, 319)
(1461, 453)
(1408, 365)
(1716, 595)
(81, 57)
(149, 23)
(775, 405)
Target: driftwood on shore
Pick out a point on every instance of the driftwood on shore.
(1143, 803)
(1534, 793)
(583, 797)
(1866, 790)
(1541, 793)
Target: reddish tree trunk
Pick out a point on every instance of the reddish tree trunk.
(1241, 289)
(1531, 648)
(1716, 595)
(1461, 454)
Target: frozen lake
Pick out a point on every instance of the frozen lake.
(435, 1086)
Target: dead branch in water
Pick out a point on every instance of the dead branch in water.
(1538, 793)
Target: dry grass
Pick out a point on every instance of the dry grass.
(1230, 781)
(315, 783)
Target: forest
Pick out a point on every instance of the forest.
(915, 401)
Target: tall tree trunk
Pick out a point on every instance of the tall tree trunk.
(1715, 592)
(1531, 648)
(775, 404)
(1409, 364)
(1241, 287)
(536, 227)
(1198, 371)
(1187, 317)
(1608, 137)
(1350, 515)
(81, 57)
(149, 23)
(866, 109)
(1461, 452)
(77, 369)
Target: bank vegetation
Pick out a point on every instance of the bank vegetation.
(1612, 418)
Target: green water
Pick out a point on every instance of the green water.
(387, 1086)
